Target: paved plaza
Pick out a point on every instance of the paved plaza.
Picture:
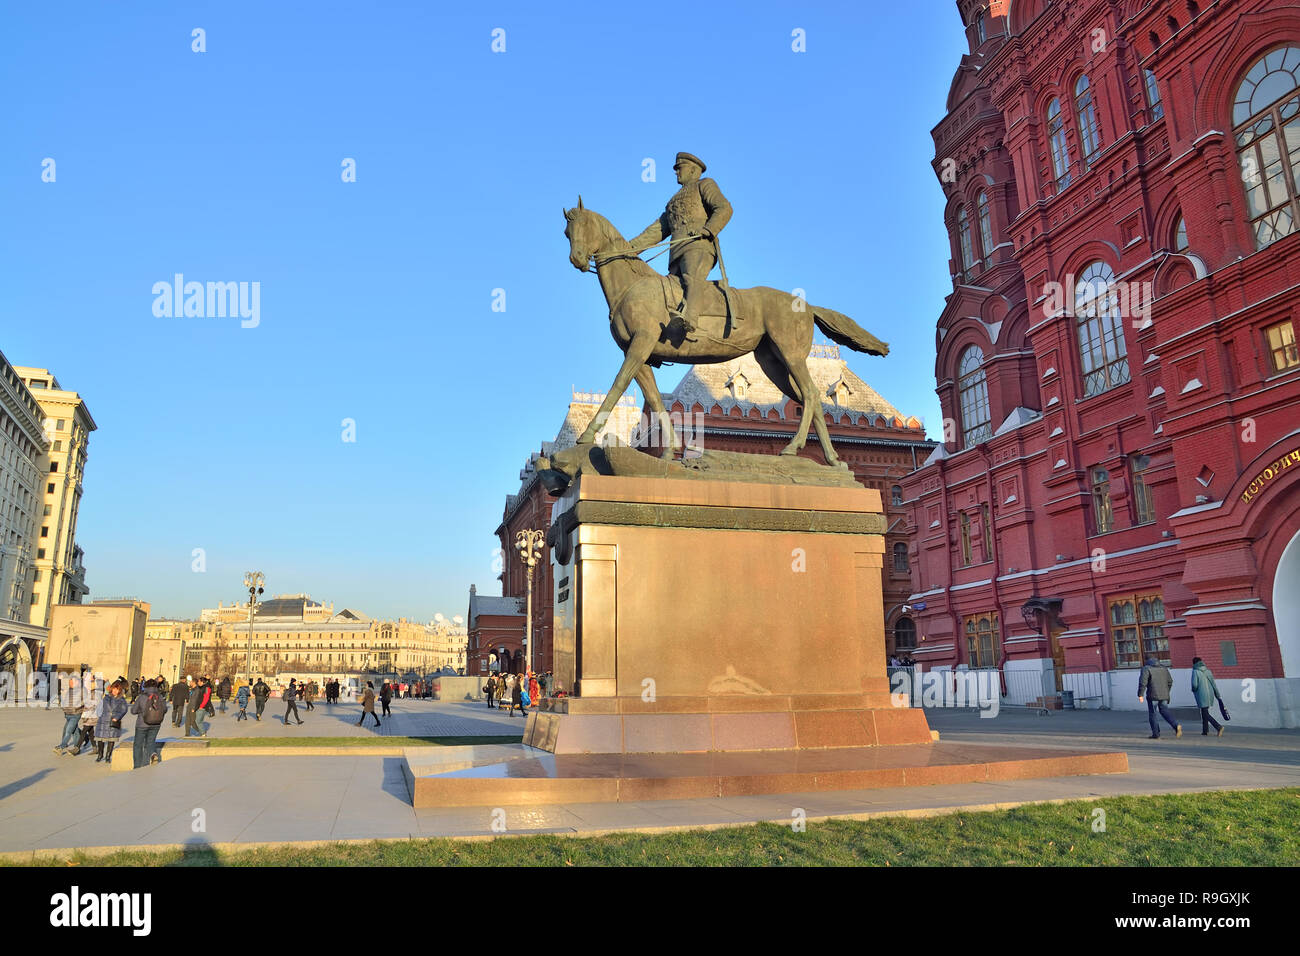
(52, 802)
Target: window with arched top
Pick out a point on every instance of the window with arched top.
(1089, 131)
(904, 634)
(896, 495)
(1180, 235)
(967, 246)
(1266, 124)
(1100, 328)
(1056, 142)
(900, 557)
(986, 227)
(973, 395)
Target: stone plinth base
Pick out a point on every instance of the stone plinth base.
(520, 776)
(702, 724)
(701, 616)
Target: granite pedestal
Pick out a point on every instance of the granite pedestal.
(715, 638)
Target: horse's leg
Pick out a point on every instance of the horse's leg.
(635, 356)
(824, 436)
(645, 377)
(784, 334)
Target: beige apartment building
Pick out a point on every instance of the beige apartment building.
(294, 635)
(22, 452)
(58, 573)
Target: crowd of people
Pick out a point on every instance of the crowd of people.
(97, 724)
(522, 690)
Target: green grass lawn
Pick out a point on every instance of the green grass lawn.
(1234, 828)
(360, 741)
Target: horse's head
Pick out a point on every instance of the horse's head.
(583, 232)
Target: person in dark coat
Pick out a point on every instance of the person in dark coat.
(291, 701)
(1206, 693)
(223, 692)
(261, 693)
(386, 695)
(108, 727)
(517, 696)
(179, 696)
(490, 690)
(194, 710)
(1154, 683)
(146, 733)
(241, 697)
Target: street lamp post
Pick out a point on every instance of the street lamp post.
(253, 580)
(529, 544)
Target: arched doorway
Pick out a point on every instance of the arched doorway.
(1286, 607)
(16, 663)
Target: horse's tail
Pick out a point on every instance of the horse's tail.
(840, 328)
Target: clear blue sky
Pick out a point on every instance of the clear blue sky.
(376, 295)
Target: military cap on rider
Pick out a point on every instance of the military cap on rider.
(694, 159)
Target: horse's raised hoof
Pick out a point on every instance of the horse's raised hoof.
(789, 450)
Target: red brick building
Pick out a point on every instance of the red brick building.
(1117, 363)
(729, 407)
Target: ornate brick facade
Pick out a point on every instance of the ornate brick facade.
(1116, 363)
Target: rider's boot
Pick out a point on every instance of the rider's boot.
(683, 312)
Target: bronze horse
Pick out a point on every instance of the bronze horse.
(776, 326)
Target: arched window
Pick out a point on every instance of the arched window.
(900, 557)
(1266, 123)
(1180, 235)
(1056, 139)
(905, 634)
(986, 228)
(967, 248)
(1101, 330)
(896, 495)
(1156, 108)
(973, 393)
(1089, 132)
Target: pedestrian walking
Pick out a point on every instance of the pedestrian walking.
(261, 693)
(534, 690)
(516, 695)
(151, 709)
(89, 717)
(223, 692)
(490, 690)
(194, 710)
(108, 727)
(386, 695)
(209, 691)
(501, 689)
(1154, 683)
(135, 690)
(179, 696)
(71, 722)
(241, 698)
(291, 701)
(368, 705)
(1206, 692)
(309, 694)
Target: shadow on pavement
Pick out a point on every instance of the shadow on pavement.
(10, 789)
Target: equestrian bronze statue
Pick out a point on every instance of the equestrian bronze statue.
(644, 319)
